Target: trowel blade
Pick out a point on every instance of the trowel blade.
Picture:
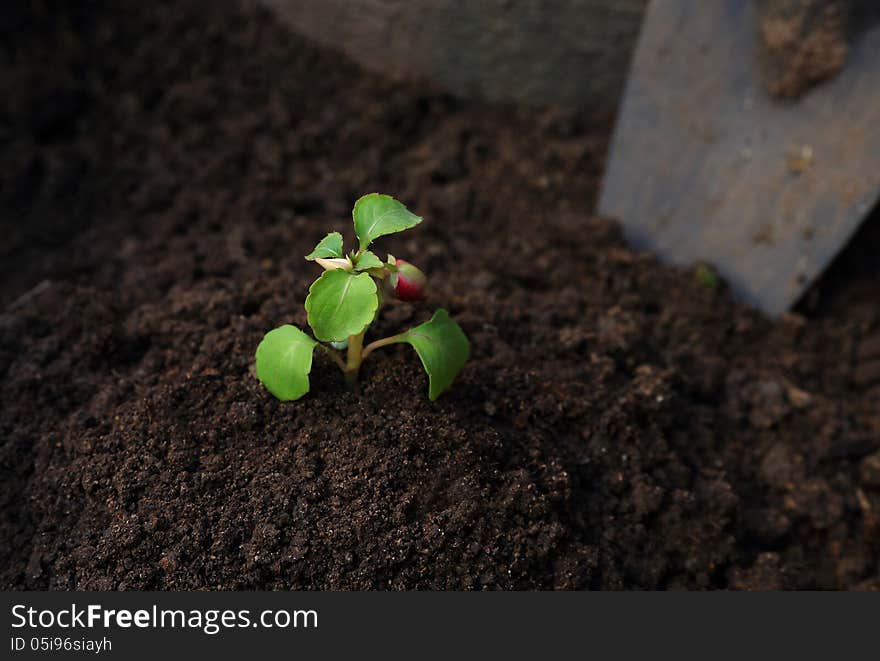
(706, 166)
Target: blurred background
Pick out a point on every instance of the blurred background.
(564, 53)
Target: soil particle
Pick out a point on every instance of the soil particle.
(619, 425)
(802, 43)
(866, 373)
(869, 470)
(767, 573)
(781, 468)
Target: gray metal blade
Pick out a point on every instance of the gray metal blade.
(706, 166)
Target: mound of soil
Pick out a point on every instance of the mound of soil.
(620, 424)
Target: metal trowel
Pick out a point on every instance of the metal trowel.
(706, 165)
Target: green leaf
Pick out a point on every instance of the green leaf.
(376, 215)
(367, 260)
(284, 360)
(443, 349)
(340, 304)
(329, 247)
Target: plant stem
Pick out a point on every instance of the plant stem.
(380, 343)
(335, 355)
(355, 357)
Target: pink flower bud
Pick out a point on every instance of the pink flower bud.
(408, 283)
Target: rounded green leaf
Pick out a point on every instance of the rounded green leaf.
(341, 304)
(376, 215)
(284, 360)
(330, 247)
(443, 349)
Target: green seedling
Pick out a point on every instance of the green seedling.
(707, 277)
(347, 298)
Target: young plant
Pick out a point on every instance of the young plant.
(346, 299)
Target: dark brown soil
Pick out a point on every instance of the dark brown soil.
(802, 42)
(620, 425)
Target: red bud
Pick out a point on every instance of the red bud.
(408, 282)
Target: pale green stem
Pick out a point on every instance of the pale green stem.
(355, 357)
(335, 355)
(380, 343)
